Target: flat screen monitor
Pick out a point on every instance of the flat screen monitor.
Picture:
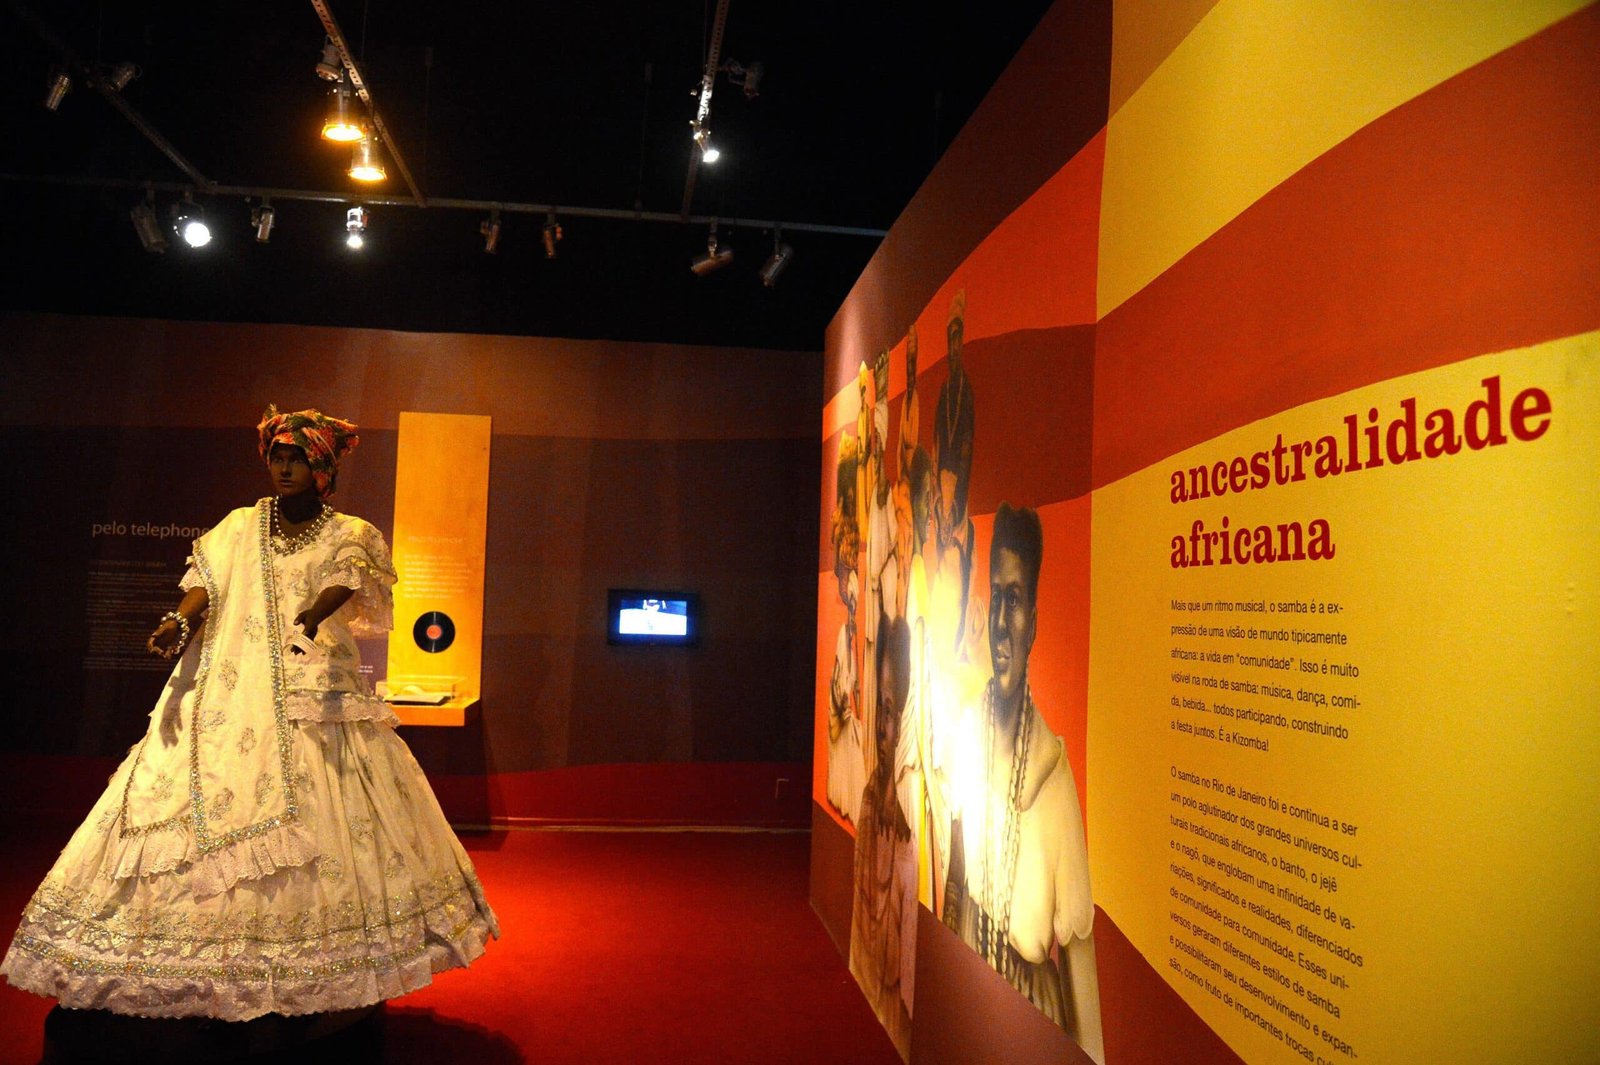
(652, 616)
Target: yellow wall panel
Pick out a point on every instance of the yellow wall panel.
(1259, 89)
(1143, 33)
(441, 503)
(1458, 674)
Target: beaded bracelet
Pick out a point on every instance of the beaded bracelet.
(183, 633)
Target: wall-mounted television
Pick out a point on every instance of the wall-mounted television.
(652, 616)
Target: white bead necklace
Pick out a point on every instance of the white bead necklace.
(288, 545)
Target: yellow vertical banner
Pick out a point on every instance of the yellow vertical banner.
(441, 506)
(1341, 717)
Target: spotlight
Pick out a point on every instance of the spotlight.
(551, 235)
(355, 225)
(60, 84)
(147, 228)
(366, 162)
(747, 78)
(189, 222)
(339, 125)
(777, 261)
(120, 75)
(263, 218)
(490, 228)
(715, 257)
(702, 140)
(330, 67)
(701, 122)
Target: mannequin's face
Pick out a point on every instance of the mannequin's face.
(289, 471)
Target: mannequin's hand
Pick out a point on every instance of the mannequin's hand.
(163, 642)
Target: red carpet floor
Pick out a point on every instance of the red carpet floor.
(617, 947)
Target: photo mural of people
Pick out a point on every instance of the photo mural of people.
(961, 795)
(1018, 890)
(883, 912)
(846, 768)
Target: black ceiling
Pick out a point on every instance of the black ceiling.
(582, 104)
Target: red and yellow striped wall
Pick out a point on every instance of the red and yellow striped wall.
(1202, 221)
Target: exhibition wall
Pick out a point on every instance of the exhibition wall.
(1205, 584)
(611, 465)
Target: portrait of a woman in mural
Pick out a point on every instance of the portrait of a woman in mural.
(954, 424)
(883, 922)
(846, 768)
(1019, 869)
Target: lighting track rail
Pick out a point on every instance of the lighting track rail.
(359, 83)
(707, 83)
(446, 203)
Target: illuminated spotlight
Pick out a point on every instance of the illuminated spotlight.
(702, 140)
(60, 84)
(777, 261)
(189, 222)
(263, 218)
(715, 257)
(330, 67)
(147, 228)
(551, 235)
(490, 228)
(366, 161)
(355, 226)
(339, 124)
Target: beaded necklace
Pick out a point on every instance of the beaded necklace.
(288, 545)
(994, 921)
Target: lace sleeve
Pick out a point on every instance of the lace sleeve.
(191, 576)
(360, 561)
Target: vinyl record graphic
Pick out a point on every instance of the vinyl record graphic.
(434, 631)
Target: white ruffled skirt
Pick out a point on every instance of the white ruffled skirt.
(384, 898)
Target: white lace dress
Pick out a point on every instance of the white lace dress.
(270, 845)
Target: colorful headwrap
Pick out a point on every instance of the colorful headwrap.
(325, 441)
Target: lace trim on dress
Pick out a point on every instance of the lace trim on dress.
(213, 872)
(370, 612)
(308, 704)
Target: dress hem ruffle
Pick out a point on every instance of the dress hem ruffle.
(153, 853)
(284, 989)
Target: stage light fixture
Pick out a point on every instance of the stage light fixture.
(366, 161)
(339, 124)
(189, 222)
(355, 226)
(490, 228)
(263, 218)
(700, 124)
(147, 228)
(119, 76)
(715, 257)
(551, 235)
(330, 67)
(777, 261)
(709, 152)
(60, 84)
(747, 78)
